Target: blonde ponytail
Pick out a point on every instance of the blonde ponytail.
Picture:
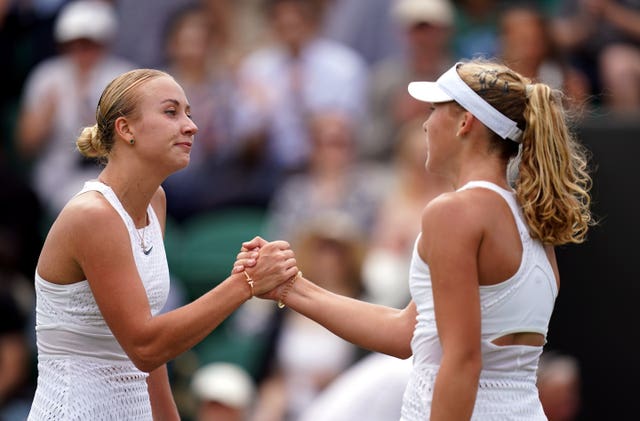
(553, 182)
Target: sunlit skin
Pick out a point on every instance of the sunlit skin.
(164, 130)
(88, 241)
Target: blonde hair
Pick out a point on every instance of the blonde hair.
(119, 99)
(553, 183)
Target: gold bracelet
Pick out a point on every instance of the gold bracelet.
(281, 303)
(249, 281)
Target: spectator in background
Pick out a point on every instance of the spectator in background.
(370, 390)
(196, 52)
(397, 223)
(476, 26)
(282, 83)
(60, 96)
(527, 46)
(427, 27)
(20, 242)
(603, 36)
(559, 386)
(16, 382)
(25, 40)
(144, 47)
(333, 181)
(224, 392)
(366, 26)
(330, 248)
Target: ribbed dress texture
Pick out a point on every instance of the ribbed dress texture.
(83, 372)
(523, 303)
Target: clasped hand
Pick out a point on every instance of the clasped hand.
(269, 264)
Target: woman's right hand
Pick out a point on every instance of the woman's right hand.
(274, 265)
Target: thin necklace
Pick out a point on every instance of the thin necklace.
(146, 248)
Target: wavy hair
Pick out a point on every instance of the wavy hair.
(553, 181)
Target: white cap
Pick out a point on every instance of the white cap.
(436, 12)
(225, 383)
(89, 19)
(451, 87)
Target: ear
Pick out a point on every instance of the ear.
(465, 123)
(122, 129)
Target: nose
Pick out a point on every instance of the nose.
(424, 126)
(190, 127)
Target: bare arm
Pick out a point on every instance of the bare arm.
(449, 244)
(370, 326)
(163, 407)
(34, 125)
(99, 244)
(14, 355)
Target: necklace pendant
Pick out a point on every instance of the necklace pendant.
(147, 249)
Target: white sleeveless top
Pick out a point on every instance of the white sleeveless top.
(522, 303)
(83, 372)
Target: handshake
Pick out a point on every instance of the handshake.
(270, 268)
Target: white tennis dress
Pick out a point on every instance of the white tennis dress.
(524, 303)
(83, 372)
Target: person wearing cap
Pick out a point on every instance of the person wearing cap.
(484, 276)
(426, 28)
(59, 97)
(224, 391)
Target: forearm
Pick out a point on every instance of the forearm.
(455, 390)
(33, 127)
(370, 326)
(163, 406)
(170, 334)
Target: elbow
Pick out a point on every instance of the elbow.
(145, 359)
(404, 353)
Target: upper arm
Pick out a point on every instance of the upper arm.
(449, 243)
(103, 252)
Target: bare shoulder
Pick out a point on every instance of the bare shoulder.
(451, 207)
(452, 221)
(88, 212)
(81, 227)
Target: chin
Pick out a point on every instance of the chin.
(182, 164)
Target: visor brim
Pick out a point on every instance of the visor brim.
(428, 92)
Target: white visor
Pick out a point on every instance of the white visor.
(451, 87)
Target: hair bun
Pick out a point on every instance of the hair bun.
(89, 143)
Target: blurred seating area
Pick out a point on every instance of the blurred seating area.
(306, 133)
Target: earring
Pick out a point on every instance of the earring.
(132, 141)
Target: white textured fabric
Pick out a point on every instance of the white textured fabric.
(83, 372)
(524, 303)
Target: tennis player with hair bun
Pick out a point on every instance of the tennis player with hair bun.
(102, 277)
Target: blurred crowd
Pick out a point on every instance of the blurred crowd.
(303, 113)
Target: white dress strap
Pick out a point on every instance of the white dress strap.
(509, 197)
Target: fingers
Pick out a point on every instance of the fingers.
(244, 260)
(256, 243)
(278, 244)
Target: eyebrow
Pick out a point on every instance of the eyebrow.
(176, 103)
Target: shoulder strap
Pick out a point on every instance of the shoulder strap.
(508, 196)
